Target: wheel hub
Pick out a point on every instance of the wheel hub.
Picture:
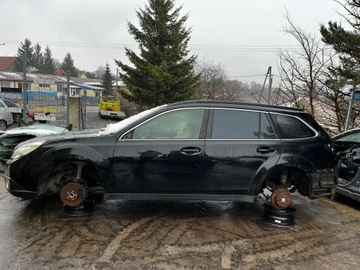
(281, 198)
(72, 194)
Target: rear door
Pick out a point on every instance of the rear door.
(241, 146)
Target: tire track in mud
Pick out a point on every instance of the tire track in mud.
(114, 245)
(184, 236)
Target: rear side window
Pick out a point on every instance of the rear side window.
(291, 127)
(236, 124)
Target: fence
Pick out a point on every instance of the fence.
(50, 103)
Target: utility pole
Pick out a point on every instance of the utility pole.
(270, 83)
(67, 100)
(24, 88)
(268, 73)
(350, 108)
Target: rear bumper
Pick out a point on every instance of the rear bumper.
(323, 183)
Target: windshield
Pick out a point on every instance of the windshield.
(9, 103)
(109, 99)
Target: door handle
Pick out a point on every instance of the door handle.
(190, 151)
(265, 150)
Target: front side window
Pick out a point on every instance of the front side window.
(237, 124)
(353, 137)
(291, 127)
(178, 124)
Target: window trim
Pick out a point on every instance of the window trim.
(266, 113)
(294, 116)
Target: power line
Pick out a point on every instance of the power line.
(194, 47)
(247, 76)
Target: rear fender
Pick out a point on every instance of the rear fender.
(285, 161)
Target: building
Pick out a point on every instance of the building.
(47, 85)
(6, 62)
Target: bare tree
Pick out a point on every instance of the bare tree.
(214, 83)
(99, 72)
(302, 69)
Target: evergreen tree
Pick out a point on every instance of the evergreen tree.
(48, 66)
(107, 80)
(38, 58)
(345, 42)
(25, 46)
(163, 72)
(68, 65)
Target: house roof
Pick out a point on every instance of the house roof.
(6, 61)
(33, 77)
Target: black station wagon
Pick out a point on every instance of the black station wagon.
(197, 150)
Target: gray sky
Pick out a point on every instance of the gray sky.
(240, 35)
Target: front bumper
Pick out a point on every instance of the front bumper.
(112, 114)
(18, 191)
(20, 184)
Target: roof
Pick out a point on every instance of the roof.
(6, 61)
(30, 77)
(88, 87)
(18, 76)
(233, 104)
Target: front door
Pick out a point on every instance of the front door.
(162, 155)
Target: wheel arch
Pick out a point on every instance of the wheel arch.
(60, 160)
(295, 167)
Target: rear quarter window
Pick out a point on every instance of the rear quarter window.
(290, 127)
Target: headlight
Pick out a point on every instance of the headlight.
(26, 149)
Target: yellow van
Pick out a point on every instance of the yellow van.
(109, 107)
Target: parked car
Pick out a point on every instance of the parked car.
(6, 120)
(7, 105)
(347, 145)
(196, 150)
(109, 107)
(12, 137)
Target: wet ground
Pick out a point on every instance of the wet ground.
(178, 235)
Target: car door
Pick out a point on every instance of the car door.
(162, 155)
(240, 144)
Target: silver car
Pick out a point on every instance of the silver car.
(8, 112)
(6, 119)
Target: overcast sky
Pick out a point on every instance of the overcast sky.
(240, 35)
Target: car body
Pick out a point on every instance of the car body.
(12, 137)
(197, 150)
(7, 105)
(347, 145)
(6, 120)
(9, 112)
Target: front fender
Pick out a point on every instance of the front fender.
(74, 151)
